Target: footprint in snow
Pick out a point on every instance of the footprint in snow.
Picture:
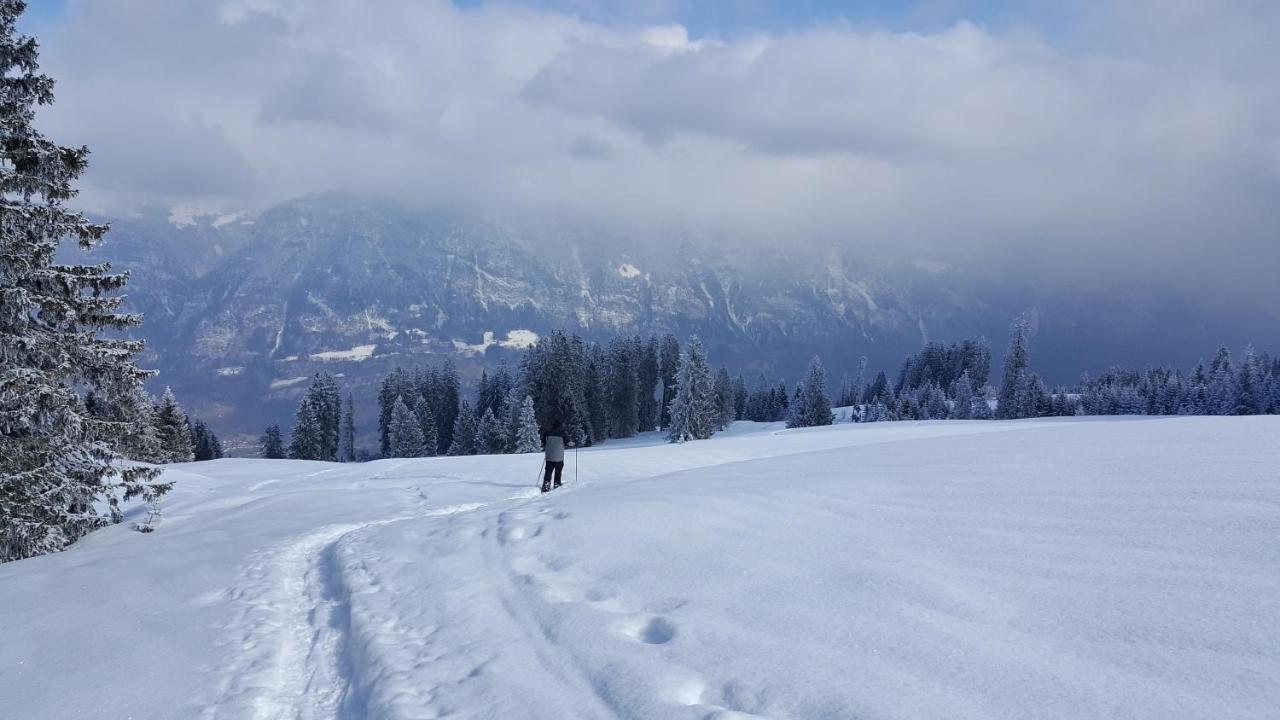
(651, 631)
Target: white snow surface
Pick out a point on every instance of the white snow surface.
(359, 353)
(1123, 568)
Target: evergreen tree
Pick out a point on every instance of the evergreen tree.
(962, 398)
(1222, 384)
(395, 385)
(813, 405)
(129, 407)
(447, 396)
(405, 432)
(427, 425)
(647, 377)
(464, 431)
(1016, 399)
(272, 444)
(347, 432)
(724, 399)
(528, 439)
(307, 442)
(509, 420)
(694, 409)
(56, 458)
(488, 434)
(173, 430)
(878, 390)
(592, 373)
(328, 410)
(205, 444)
(622, 381)
(668, 365)
(740, 398)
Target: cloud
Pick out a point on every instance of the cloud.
(1148, 130)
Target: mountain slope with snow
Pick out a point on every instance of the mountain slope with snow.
(1122, 568)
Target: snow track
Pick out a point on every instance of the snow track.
(971, 570)
(300, 657)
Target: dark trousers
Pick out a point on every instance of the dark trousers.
(557, 468)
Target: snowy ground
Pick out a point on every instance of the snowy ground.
(1056, 569)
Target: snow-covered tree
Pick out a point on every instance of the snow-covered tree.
(962, 398)
(405, 432)
(347, 432)
(1017, 397)
(528, 439)
(173, 430)
(812, 406)
(668, 366)
(648, 373)
(622, 388)
(724, 399)
(427, 423)
(129, 407)
(464, 431)
(1222, 384)
(307, 441)
(272, 443)
(488, 434)
(694, 410)
(740, 398)
(509, 419)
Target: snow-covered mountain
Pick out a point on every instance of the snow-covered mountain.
(241, 308)
(1063, 569)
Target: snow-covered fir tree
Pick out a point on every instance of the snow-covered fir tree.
(427, 423)
(528, 438)
(1016, 399)
(813, 404)
(129, 407)
(464, 431)
(446, 402)
(694, 409)
(724, 399)
(56, 460)
(271, 444)
(173, 430)
(739, 398)
(347, 432)
(307, 441)
(509, 419)
(668, 366)
(647, 377)
(488, 434)
(405, 432)
(962, 398)
(622, 387)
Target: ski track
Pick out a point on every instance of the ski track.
(296, 656)
(302, 654)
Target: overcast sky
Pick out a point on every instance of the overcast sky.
(1149, 127)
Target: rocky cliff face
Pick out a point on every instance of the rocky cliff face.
(241, 310)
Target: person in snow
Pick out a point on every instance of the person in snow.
(553, 450)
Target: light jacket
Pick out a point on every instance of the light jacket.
(553, 445)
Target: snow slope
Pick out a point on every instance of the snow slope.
(1120, 568)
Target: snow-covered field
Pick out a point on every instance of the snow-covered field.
(1124, 568)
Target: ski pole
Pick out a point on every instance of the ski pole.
(575, 465)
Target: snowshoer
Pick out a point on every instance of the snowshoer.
(553, 450)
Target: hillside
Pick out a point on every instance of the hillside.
(241, 308)
(1119, 568)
